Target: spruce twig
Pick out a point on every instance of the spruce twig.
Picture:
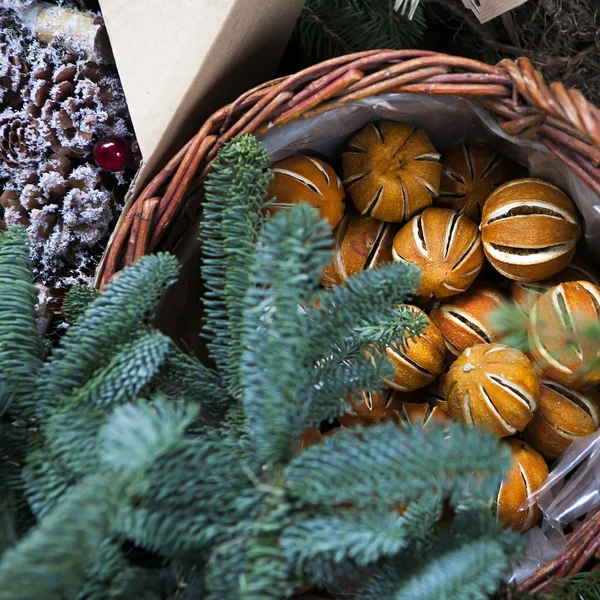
(328, 28)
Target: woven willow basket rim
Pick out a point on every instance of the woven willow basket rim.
(513, 93)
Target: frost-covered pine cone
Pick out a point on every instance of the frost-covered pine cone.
(54, 107)
(75, 103)
(13, 66)
(19, 142)
(67, 211)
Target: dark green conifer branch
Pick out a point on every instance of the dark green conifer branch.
(20, 345)
(344, 467)
(275, 366)
(184, 376)
(128, 372)
(76, 302)
(53, 561)
(111, 319)
(329, 28)
(235, 195)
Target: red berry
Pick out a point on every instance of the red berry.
(113, 154)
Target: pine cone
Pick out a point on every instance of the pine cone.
(19, 142)
(14, 69)
(68, 212)
(74, 104)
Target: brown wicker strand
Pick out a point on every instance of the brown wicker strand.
(119, 241)
(145, 230)
(586, 535)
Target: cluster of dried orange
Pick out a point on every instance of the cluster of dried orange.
(447, 214)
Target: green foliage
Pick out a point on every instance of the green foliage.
(467, 561)
(54, 559)
(328, 28)
(121, 463)
(116, 316)
(277, 362)
(235, 191)
(184, 376)
(20, 345)
(346, 467)
(76, 301)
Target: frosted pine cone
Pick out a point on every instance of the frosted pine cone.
(20, 143)
(13, 66)
(68, 213)
(76, 104)
(54, 107)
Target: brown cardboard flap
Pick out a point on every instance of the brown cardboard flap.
(179, 60)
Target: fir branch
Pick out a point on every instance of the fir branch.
(317, 546)
(115, 316)
(8, 525)
(466, 561)
(236, 191)
(190, 498)
(400, 464)
(291, 254)
(108, 565)
(268, 572)
(225, 569)
(76, 302)
(328, 28)
(365, 308)
(185, 376)
(45, 481)
(71, 436)
(53, 561)
(472, 571)
(335, 379)
(137, 434)
(128, 371)
(20, 345)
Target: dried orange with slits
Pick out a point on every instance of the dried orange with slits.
(370, 407)
(307, 180)
(527, 474)
(421, 414)
(466, 321)
(562, 417)
(446, 247)
(526, 294)
(391, 171)
(493, 386)
(360, 243)
(471, 173)
(529, 230)
(420, 361)
(557, 339)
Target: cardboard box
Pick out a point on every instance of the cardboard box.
(180, 60)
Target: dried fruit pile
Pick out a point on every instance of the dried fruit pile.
(482, 233)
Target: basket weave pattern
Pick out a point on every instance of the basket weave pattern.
(513, 92)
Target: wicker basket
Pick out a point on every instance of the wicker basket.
(513, 92)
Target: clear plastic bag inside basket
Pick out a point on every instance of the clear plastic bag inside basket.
(573, 487)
